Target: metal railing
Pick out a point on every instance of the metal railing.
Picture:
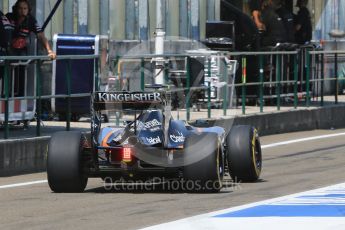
(292, 75)
(279, 75)
(275, 59)
(243, 84)
(38, 97)
(320, 56)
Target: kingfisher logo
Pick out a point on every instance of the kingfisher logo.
(129, 97)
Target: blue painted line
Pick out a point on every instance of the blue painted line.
(289, 211)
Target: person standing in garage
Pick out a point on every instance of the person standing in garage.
(24, 24)
(5, 32)
(303, 23)
(288, 20)
(5, 37)
(275, 30)
(255, 8)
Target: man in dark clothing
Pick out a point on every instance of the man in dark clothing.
(275, 30)
(288, 21)
(2, 45)
(247, 39)
(246, 31)
(5, 34)
(2, 35)
(303, 23)
(5, 37)
(255, 9)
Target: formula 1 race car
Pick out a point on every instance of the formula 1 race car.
(151, 145)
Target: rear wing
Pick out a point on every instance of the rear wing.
(127, 100)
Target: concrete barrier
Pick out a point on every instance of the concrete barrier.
(296, 120)
(23, 156)
(29, 155)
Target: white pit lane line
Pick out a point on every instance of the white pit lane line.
(263, 147)
(23, 184)
(301, 140)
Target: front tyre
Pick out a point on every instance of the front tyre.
(244, 153)
(65, 163)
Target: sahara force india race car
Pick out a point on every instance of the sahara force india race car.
(152, 145)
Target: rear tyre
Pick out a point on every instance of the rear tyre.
(244, 153)
(205, 172)
(65, 166)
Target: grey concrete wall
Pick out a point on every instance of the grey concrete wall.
(290, 121)
(297, 120)
(23, 156)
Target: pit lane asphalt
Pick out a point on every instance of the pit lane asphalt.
(287, 169)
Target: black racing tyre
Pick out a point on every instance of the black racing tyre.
(64, 164)
(244, 153)
(206, 173)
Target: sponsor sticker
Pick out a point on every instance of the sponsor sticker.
(152, 125)
(128, 97)
(177, 138)
(153, 140)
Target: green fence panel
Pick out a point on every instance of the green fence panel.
(39, 100)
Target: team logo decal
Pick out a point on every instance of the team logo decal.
(177, 138)
(128, 97)
(153, 140)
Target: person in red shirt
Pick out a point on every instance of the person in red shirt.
(23, 24)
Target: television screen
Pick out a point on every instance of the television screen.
(220, 29)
